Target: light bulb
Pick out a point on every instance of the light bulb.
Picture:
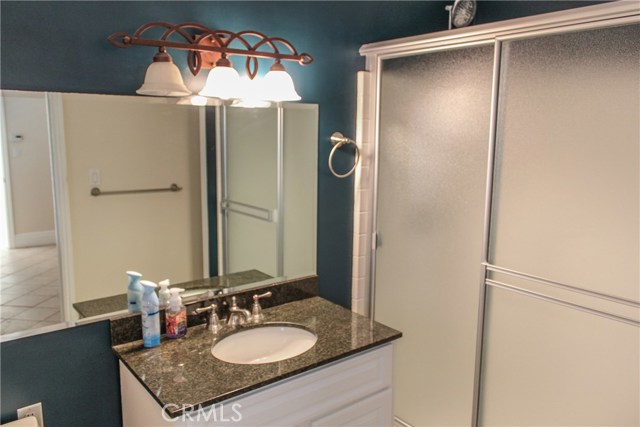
(278, 85)
(252, 94)
(223, 81)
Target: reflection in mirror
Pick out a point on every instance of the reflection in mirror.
(267, 191)
(118, 143)
(29, 285)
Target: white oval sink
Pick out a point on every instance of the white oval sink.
(264, 344)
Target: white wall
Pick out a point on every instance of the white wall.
(136, 143)
(29, 168)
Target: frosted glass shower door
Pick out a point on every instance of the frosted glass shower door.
(562, 324)
(268, 189)
(434, 133)
(251, 176)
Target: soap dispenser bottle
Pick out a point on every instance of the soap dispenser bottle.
(164, 295)
(134, 292)
(150, 315)
(176, 315)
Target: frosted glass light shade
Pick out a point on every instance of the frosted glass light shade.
(252, 95)
(277, 85)
(163, 78)
(223, 82)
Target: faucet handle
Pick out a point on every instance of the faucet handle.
(234, 302)
(213, 307)
(213, 322)
(265, 295)
(256, 310)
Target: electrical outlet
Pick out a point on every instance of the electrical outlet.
(34, 410)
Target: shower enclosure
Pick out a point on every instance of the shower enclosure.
(266, 179)
(506, 192)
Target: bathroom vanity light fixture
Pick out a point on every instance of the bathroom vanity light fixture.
(212, 49)
(163, 77)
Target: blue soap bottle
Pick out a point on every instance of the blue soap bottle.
(134, 292)
(150, 315)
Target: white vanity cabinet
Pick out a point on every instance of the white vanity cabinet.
(355, 391)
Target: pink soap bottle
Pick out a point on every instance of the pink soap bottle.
(176, 315)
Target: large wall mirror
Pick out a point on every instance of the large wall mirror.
(244, 214)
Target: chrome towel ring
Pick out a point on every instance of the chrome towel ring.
(338, 140)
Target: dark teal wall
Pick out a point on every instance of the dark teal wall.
(72, 372)
(62, 46)
(492, 11)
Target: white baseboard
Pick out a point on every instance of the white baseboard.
(397, 422)
(37, 238)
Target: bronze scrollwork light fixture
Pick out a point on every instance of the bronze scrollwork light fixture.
(211, 49)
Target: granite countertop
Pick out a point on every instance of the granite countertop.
(183, 372)
(100, 306)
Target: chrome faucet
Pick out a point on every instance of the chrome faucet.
(213, 322)
(238, 316)
(256, 310)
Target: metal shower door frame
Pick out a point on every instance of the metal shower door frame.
(225, 206)
(591, 17)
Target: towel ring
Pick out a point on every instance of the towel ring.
(338, 140)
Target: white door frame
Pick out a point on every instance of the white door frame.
(6, 177)
(55, 115)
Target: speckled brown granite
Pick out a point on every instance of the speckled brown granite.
(184, 372)
(100, 306)
(127, 327)
(96, 307)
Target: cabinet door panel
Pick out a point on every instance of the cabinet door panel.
(318, 393)
(376, 410)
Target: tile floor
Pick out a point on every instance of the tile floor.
(29, 288)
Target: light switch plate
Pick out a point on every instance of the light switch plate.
(94, 177)
(16, 137)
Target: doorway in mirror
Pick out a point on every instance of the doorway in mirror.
(29, 271)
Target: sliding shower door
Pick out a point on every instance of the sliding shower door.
(250, 191)
(434, 132)
(545, 267)
(267, 194)
(562, 344)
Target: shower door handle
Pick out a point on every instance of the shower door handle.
(376, 240)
